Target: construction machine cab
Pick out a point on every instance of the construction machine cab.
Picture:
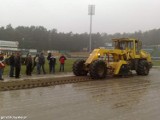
(129, 45)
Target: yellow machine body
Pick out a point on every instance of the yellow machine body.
(126, 56)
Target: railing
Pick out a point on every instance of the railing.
(155, 58)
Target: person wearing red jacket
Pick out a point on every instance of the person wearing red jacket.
(62, 62)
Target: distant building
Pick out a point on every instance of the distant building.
(108, 45)
(8, 45)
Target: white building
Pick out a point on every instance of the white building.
(8, 46)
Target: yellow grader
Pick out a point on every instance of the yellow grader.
(126, 56)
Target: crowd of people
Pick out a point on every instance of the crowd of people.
(31, 63)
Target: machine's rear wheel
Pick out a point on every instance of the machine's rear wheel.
(98, 69)
(78, 68)
(143, 68)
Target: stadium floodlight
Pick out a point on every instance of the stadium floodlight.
(91, 11)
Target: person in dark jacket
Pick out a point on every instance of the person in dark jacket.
(12, 64)
(29, 64)
(48, 58)
(17, 65)
(62, 62)
(41, 63)
(52, 62)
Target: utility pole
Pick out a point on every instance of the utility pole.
(91, 11)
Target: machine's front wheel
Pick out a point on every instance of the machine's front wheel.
(143, 68)
(78, 68)
(98, 69)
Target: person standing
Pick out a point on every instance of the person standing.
(34, 62)
(29, 64)
(12, 65)
(17, 65)
(52, 63)
(42, 63)
(62, 62)
(49, 61)
(1, 65)
(37, 63)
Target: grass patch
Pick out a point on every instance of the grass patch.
(156, 63)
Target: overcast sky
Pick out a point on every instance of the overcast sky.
(111, 16)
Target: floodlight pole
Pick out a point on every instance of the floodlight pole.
(90, 35)
(91, 11)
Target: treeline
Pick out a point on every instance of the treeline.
(40, 38)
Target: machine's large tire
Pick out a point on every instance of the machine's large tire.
(78, 68)
(143, 68)
(98, 69)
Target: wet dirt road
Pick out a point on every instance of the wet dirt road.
(134, 98)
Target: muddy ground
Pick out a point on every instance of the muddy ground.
(133, 98)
